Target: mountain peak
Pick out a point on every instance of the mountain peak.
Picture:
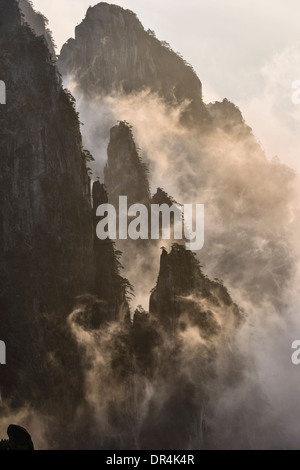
(112, 53)
(125, 173)
(104, 11)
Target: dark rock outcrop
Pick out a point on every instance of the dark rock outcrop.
(48, 252)
(46, 229)
(125, 174)
(183, 294)
(113, 52)
(110, 286)
(38, 23)
(161, 197)
(19, 438)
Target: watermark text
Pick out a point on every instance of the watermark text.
(138, 222)
(2, 352)
(2, 92)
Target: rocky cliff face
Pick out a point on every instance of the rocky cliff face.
(125, 174)
(38, 23)
(110, 286)
(113, 52)
(46, 230)
(184, 295)
(48, 251)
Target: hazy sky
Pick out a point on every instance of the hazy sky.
(247, 51)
